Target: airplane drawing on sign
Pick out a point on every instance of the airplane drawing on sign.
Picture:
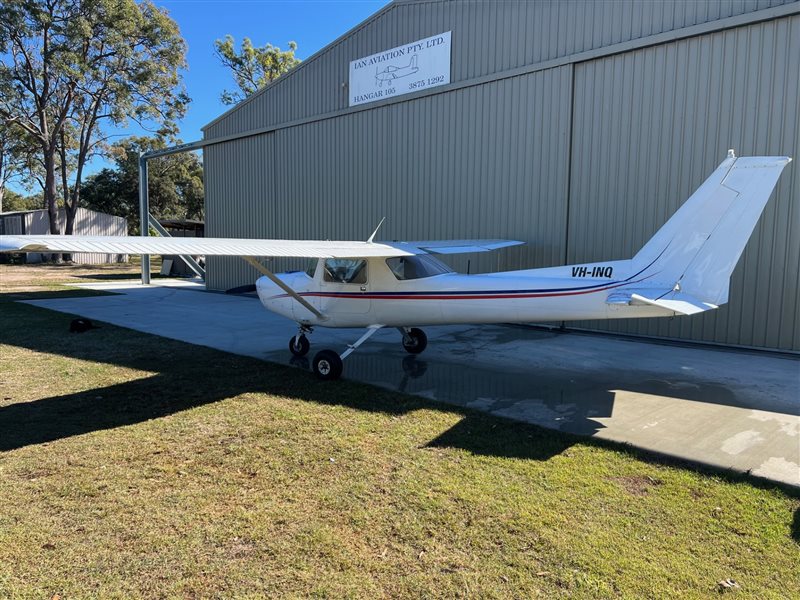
(684, 269)
(392, 72)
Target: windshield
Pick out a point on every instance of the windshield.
(416, 267)
(312, 267)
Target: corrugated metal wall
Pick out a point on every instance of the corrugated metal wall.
(464, 164)
(488, 37)
(87, 222)
(584, 161)
(650, 126)
(10, 224)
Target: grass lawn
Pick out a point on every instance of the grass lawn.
(133, 466)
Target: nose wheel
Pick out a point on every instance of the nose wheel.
(299, 345)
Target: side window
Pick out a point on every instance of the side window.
(416, 267)
(345, 270)
(311, 270)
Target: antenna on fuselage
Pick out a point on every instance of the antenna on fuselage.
(372, 237)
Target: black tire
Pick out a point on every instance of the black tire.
(327, 365)
(418, 343)
(302, 346)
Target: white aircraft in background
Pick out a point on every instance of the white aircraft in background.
(683, 270)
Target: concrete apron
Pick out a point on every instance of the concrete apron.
(734, 410)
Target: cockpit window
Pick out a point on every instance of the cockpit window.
(345, 270)
(312, 267)
(416, 267)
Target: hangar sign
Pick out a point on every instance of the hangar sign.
(409, 68)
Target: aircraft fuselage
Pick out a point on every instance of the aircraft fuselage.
(576, 292)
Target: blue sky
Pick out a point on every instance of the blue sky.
(313, 24)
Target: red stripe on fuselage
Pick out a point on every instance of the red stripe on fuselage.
(444, 296)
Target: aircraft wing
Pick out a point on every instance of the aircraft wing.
(462, 246)
(238, 247)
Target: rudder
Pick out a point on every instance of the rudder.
(698, 248)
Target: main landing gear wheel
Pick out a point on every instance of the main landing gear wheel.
(415, 341)
(299, 346)
(327, 365)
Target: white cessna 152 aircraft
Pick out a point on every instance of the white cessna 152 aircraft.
(684, 269)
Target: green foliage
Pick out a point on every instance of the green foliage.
(70, 67)
(90, 60)
(253, 67)
(175, 183)
(12, 201)
(16, 153)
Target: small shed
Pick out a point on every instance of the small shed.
(87, 222)
(183, 228)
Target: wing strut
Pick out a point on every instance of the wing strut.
(271, 276)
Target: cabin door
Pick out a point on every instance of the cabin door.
(344, 286)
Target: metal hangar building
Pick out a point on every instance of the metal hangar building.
(577, 126)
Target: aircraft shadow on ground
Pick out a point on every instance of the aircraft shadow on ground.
(173, 388)
(796, 526)
(568, 399)
(549, 400)
(52, 295)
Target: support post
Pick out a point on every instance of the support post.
(144, 214)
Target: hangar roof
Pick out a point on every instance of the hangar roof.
(299, 68)
(488, 39)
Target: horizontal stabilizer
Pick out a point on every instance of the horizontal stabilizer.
(239, 247)
(670, 300)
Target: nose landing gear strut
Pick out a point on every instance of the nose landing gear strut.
(299, 344)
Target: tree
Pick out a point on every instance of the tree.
(175, 183)
(253, 67)
(14, 202)
(70, 66)
(14, 157)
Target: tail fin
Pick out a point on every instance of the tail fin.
(413, 64)
(697, 249)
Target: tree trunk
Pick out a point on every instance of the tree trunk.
(2, 178)
(71, 210)
(69, 226)
(51, 194)
(51, 189)
(70, 200)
